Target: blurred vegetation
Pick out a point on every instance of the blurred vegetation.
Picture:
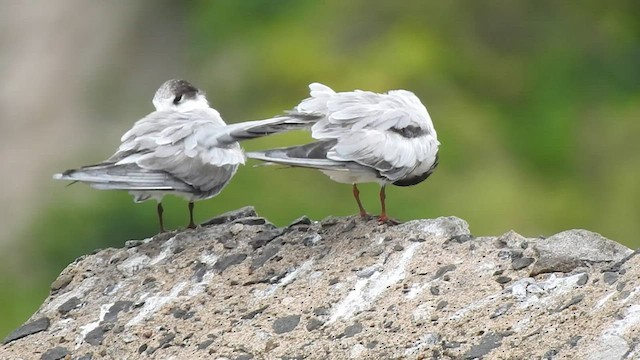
(536, 104)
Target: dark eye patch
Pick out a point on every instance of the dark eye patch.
(177, 99)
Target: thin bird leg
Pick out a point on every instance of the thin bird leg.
(356, 194)
(160, 211)
(383, 213)
(191, 224)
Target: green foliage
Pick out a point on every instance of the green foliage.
(535, 103)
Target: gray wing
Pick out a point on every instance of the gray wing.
(398, 111)
(390, 133)
(184, 145)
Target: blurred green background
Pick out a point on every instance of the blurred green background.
(536, 104)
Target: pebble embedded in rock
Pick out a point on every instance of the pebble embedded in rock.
(285, 324)
(398, 247)
(521, 263)
(27, 329)
(116, 308)
(56, 353)
(244, 356)
(503, 279)
(610, 277)
(576, 299)
(205, 344)
(267, 253)
(583, 279)
(61, 282)
(69, 305)
(245, 212)
(236, 229)
(302, 220)
(314, 323)
(352, 330)
(95, 336)
(501, 310)
(250, 315)
(488, 342)
(224, 262)
(264, 237)
(443, 270)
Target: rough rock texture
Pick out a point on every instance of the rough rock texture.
(341, 288)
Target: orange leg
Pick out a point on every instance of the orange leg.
(383, 213)
(356, 194)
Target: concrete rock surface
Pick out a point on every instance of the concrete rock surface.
(341, 288)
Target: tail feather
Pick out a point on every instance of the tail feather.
(254, 129)
(124, 177)
(295, 156)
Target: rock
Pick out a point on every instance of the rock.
(341, 288)
(569, 249)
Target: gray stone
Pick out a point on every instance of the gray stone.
(302, 220)
(576, 299)
(443, 270)
(501, 310)
(583, 279)
(205, 344)
(352, 330)
(56, 353)
(245, 212)
(224, 262)
(488, 342)
(567, 250)
(95, 336)
(267, 253)
(285, 324)
(115, 309)
(254, 313)
(610, 277)
(61, 282)
(314, 324)
(264, 237)
(521, 263)
(69, 305)
(27, 329)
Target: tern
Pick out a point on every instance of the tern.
(362, 137)
(182, 148)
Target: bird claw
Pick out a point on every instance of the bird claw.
(383, 219)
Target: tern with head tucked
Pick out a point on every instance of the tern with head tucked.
(183, 148)
(363, 137)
